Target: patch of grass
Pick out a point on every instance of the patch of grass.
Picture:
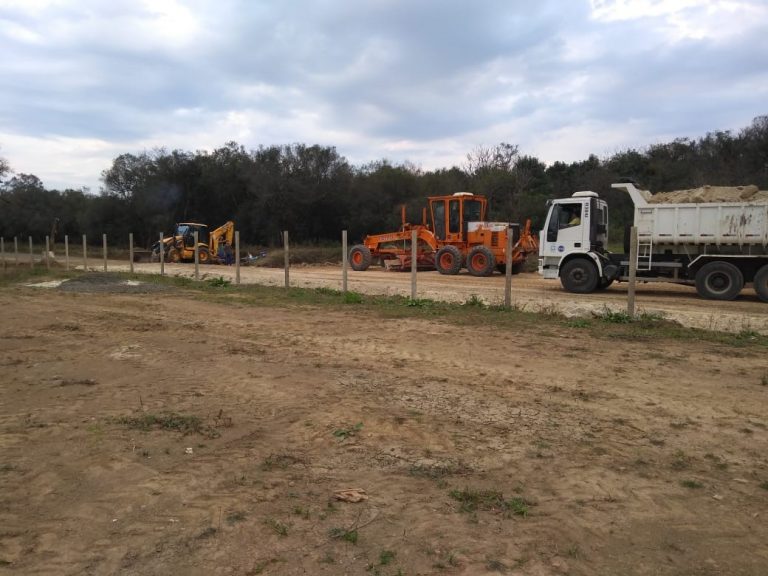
(680, 461)
(277, 527)
(207, 533)
(764, 379)
(281, 461)
(439, 471)
(574, 551)
(186, 424)
(300, 511)
(578, 323)
(496, 566)
(219, 282)
(490, 500)
(349, 432)
(420, 303)
(764, 485)
(691, 484)
(612, 317)
(353, 298)
(345, 534)
(235, 517)
(386, 557)
(475, 301)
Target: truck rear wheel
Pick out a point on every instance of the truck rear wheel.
(359, 257)
(719, 281)
(481, 261)
(579, 276)
(448, 260)
(761, 283)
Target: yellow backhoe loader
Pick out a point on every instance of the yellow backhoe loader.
(214, 246)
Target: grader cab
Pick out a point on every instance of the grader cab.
(456, 235)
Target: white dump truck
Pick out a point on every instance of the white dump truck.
(716, 246)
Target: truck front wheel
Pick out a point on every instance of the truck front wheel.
(579, 275)
(719, 281)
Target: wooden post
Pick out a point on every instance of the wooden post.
(344, 260)
(162, 256)
(104, 245)
(66, 251)
(85, 254)
(31, 254)
(632, 272)
(197, 255)
(47, 252)
(287, 259)
(130, 250)
(414, 241)
(16, 250)
(237, 256)
(508, 271)
(2, 251)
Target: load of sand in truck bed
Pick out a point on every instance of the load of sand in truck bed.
(711, 194)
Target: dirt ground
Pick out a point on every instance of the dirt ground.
(529, 292)
(481, 450)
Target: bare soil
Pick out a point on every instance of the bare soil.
(481, 450)
(529, 292)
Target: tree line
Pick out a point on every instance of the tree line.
(314, 192)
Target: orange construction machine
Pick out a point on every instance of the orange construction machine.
(457, 235)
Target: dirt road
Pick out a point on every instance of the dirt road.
(530, 292)
(167, 434)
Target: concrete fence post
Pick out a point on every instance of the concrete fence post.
(85, 254)
(16, 250)
(130, 251)
(66, 251)
(344, 260)
(414, 241)
(31, 254)
(47, 252)
(195, 236)
(508, 271)
(162, 255)
(104, 246)
(237, 257)
(632, 272)
(287, 259)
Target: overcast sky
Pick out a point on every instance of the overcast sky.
(83, 81)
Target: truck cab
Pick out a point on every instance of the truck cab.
(576, 230)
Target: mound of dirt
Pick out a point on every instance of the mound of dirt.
(708, 193)
(112, 283)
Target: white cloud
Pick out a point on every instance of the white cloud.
(84, 81)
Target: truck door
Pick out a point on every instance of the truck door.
(565, 229)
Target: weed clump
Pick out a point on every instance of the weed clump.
(491, 500)
(186, 424)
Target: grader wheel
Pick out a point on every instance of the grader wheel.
(359, 257)
(481, 261)
(448, 260)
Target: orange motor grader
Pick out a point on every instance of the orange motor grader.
(456, 235)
